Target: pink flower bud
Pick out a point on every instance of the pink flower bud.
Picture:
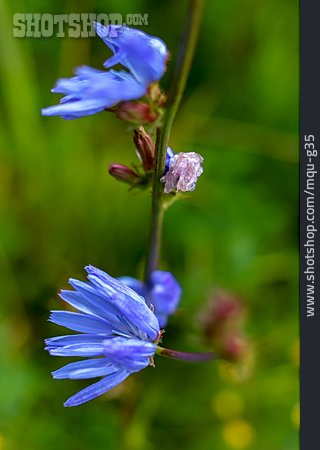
(223, 326)
(124, 173)
(224, 311)
(183, 173)
(145, 148)
(136, 112)
(234, 347)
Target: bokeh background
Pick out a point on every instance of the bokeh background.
(60, 210)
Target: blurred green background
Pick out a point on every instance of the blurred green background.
(60, 210)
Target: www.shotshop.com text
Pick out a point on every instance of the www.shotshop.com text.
(310, 229)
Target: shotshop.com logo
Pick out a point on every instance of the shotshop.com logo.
(71, 25)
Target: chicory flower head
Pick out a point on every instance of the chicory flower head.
(163, 293)
(118, 332)
(92, 90)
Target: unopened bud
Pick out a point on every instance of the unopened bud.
(183, 173)
(223, 322)
(136, 112)
(224, 311)
(124, 173)
(145, 148)
(234, 347)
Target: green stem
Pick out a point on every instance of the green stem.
(184, 58)
(186, 356)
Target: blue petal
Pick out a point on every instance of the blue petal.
(80, 322)
(125, 86)
(91, 304)
(144, 55)
(93, 295)
(131, 305)
(109, 284)
(92, 91)
(69, 86)
(138, 314)
(85, 350)
(165, 293)
(169, 156)
(111, 86)
(78, 108)
(163, 319)
(89, 368)
(99, 303)
(138, 286)
(130, 354)
(98, 388)
(85, 72)
(71, 339)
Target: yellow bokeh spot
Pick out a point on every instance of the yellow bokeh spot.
(228, 372)
(235, 373)
(295, 415)
(1, 442)
(238, 434)
(227, 404)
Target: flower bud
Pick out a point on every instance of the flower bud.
(223, 326)
(234, 347)
(125, 174)
(136, 112)
(145, 148)
(183, 173)
(224, 311)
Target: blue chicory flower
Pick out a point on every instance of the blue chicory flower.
(163, 293)
(144, 55)
(118, 332)
(92, 91)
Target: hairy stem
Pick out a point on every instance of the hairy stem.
(186, 356)
(180, 75)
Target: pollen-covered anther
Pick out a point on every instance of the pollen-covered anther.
(151, 361)
(159, 337)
